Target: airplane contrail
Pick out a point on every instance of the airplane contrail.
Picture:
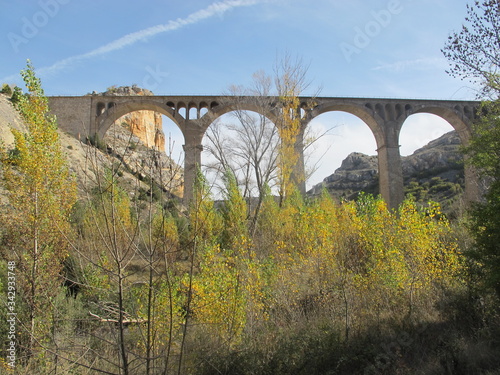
(217, 8)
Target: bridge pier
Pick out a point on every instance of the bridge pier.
(390, 169)
(192, 161)
(193, 136)
(390, 175)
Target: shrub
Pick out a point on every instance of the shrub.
(6, 89)
(96, 141)
(16, 95)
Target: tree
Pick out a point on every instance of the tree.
(474, 53)
(247, 147)
(290, 82)
(264, 149)
(484, 153)
(41, 193)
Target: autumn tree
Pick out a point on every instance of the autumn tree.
(474, 53)
(264, 148)
(41, 193)
(126, 249)
(290, 82)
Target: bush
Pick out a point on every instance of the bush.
(97, 142)
(6, 90)
(16, 95)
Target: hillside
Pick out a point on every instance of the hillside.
(433, 172)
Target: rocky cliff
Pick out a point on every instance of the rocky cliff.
(433, 172)
(146, 125)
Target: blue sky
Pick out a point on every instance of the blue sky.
(375, 48)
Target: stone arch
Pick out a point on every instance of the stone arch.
(343, 134)
(366, 113)
(107, 118)
(379, 117)
(209, 163)
(458, 117)
(182, 107)
(100, 108)
(218, 110)
(192, 111)
(203, 109)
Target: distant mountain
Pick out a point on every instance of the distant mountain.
(433, 172)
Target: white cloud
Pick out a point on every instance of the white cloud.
(416, 64)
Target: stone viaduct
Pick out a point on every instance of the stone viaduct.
(82, 116)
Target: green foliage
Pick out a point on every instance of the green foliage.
(96, 141)
(6, 89)
(234, 214)
(41, 193)
(485, 229)
(310, 287)
(17, 94)
(484, 147)
(484, 154)
(473, 54)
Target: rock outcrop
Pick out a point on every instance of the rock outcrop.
(433, 172)
(9, 119)
(356, 173)
(144, 162)
(146, 125)
(438, 156)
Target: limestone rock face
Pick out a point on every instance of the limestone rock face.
(354, 173)
(9, 118)
(145, 145)
(439, 154)
(146, 125)
(429, 172)
(358, 172)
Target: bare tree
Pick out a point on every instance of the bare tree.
(474, 51)
(248, 146)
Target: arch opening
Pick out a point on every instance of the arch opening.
(433, 166)
(120, 110)
(348, 143)
(134, 130)
(193, 113)
(101, 107)
(245, 142)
